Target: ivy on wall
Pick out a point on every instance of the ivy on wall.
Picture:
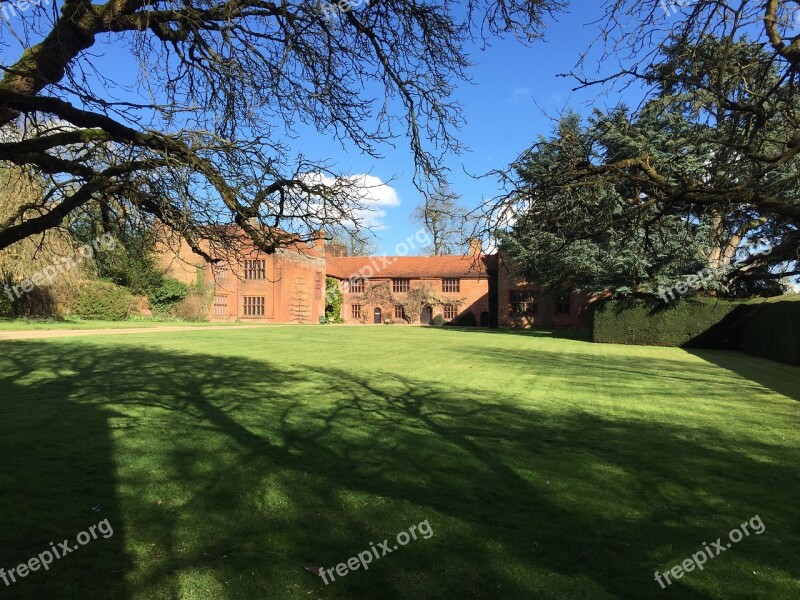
(413, 301)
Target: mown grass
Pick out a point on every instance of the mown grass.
(547, 468)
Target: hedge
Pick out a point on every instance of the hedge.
(657, 324)
(771, 329)
(105, 301)
(767, 328)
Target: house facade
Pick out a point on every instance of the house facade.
(285, 287)
(413, 289)
(473, 290)
(289, 287)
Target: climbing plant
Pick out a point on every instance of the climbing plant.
(333, 301)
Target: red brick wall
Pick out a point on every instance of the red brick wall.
(289, 287)
(545, 315)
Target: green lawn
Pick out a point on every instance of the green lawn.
(225, 461)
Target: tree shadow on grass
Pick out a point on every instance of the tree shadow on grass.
(57, 479)
(230, 474)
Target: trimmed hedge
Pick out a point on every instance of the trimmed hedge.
(768, 328)
(771, 329)
(653, 323)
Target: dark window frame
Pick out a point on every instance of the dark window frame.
(255, 269)
(451, 284)
(221, 305)
(253, 306)
(220, 272)
(452, 309)
(524, 302)
(401, 285)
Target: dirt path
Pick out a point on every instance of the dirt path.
(32, 334)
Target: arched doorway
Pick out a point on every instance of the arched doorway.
(377, 316)
(426, 315)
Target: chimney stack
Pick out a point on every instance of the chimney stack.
(319, 241)
(475, 247)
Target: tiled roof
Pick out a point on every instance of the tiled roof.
(411, 267)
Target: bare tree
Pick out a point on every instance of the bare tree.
(351, 243)
(445, 220)
(198, 141)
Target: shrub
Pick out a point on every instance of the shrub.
(197, 303)
(130, 262)
(438, 321)
(767, 328)
(169, 292)
(9, 305)
(195, 306)
(103, 300)
(47, 300)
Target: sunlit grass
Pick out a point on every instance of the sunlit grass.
(547, 468)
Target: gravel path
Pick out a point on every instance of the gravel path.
(33, 334)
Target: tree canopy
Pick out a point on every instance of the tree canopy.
(705, 167)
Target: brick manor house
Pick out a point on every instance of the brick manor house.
(289, 287)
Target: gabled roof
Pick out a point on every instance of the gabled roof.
(410, 267)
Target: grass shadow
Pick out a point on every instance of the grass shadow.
(58, 479)
(780, 377)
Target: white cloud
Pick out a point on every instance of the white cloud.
(518, 94)
(372, 193)
(376, 194)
